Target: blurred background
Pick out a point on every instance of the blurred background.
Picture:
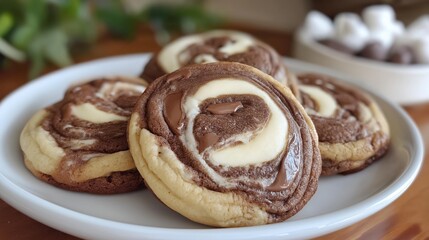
(38, 36)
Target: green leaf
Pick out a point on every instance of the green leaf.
(56, 50)
(37, 65)
(6, 23)
(186, 18)
(117, 20)
(48, 45)
(82, 28)
(7, 50)
(162, 17)
(35, 10)
(70, 9)
(80, 31)
(24, 34)
(13, 7)
(35, 14)
(35, 53)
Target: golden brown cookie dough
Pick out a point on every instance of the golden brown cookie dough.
(353, 131)
(225, 144)
(216, 46)
(80, 143)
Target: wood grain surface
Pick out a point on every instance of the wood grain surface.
(406, 218)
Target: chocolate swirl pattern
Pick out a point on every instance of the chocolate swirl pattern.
(225, 145)
(80, 142)
(352, 129)
(215, 46)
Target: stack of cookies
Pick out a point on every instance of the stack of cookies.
(219, 130)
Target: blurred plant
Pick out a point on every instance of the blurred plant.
(189, 18)
(117, 20)
(42, 31)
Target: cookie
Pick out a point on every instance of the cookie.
(215, 46)
(353, 131)
(225, 144)
(80, 143)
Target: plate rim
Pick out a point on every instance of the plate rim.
(372, 204)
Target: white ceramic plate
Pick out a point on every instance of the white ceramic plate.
(338, 202)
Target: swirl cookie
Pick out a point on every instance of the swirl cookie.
(353, 131)
(225, 145)
(80, 143)
(215, 46)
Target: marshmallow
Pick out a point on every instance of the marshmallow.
(350, 31)
(401, 55)
(420, 49)
(318, 26)
(420, 25)
(383, 26)
(379, 17)
(375, 51)
(398, 28)
(384, 37)
(416, 37)
(409, 37)
(402, 41)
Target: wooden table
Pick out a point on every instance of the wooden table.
(406, 218)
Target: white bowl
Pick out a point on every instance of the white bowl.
(404, 84)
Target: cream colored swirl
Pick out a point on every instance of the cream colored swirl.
(326, 104)
(97, 106)
(352, 130)
(257, 147)
(216, 46)
(90, 113)
(340, 113)
(90, 122)
(244, 149)
(172, 56)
